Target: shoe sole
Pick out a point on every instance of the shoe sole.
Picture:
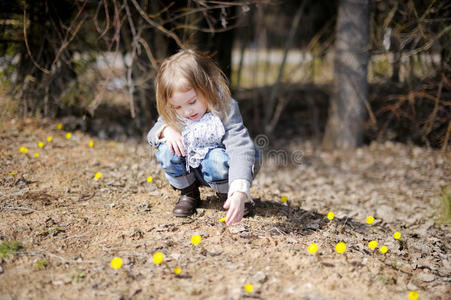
(182, 215)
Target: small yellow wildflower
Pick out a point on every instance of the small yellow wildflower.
(248, 288)
(397, 235)
(116, 263)
(284, 199)
(330, 216)
(91, 144)
(222, 220)
(312, 248)
(23, 150)
(36, 154)
(370, 219)
(413, 295)
(158, 258)
(149, 179)
(49, 139)
(98, 175)
(12, 173)
(340, 247)
(41, 144)
(383, 249)
(177, 270)
(69, 135)
(59, 126)
(372, 245)
(196, 239)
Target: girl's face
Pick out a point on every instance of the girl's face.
(187, 104)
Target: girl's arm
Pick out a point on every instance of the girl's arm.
(240, 149)
(154, 137)
(161, 132)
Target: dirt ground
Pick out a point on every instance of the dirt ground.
(70, 225)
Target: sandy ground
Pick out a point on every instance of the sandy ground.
(71, 225)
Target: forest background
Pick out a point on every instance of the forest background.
(96, 59)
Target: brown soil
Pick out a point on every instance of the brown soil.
(61, 215)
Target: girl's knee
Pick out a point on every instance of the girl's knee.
(171, 164)
(165, 156)
(215, 166)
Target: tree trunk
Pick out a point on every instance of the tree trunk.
(347, 108)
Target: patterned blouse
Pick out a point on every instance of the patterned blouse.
(201, 136)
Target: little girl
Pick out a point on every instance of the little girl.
(200, 136)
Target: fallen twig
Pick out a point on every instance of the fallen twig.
(26, 208)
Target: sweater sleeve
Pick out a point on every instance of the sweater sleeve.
(238, 145)
(153, 137)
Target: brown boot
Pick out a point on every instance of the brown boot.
(248, 206)
(188, 201)
(222, 197)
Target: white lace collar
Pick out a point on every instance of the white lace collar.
(201, 136)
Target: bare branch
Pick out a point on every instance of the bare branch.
(149, 53)
(158, 26)
(27, 46)
(107, 17)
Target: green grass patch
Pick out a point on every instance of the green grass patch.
(9, 248)
(445, 207)
(40, 264)
(77, 276)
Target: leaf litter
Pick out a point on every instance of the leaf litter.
(52, 206)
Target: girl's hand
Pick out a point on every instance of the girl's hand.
(235, 206)
(174, 140)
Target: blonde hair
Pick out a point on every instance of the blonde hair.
(187, 70)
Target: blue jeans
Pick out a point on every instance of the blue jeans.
(213, 170)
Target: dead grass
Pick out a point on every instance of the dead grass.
(445, 208)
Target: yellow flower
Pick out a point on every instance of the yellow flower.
(370, 219)
(36, 154)
(284, 199)
(372, 245)
(59, 126)
(91, 144)
(177, 270)
(340, 247)
(397, 235)
(49, 139)
(383, 249)
(149, 179)
(312, 248)
(23, 150)
(98, 175)
(196, 239)
(158, 258)
(116, 263)
(413, 295)
(222, 220)
(248, 288)
(68, 135)
(12, 173)
(330, 216)
(41, 144)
